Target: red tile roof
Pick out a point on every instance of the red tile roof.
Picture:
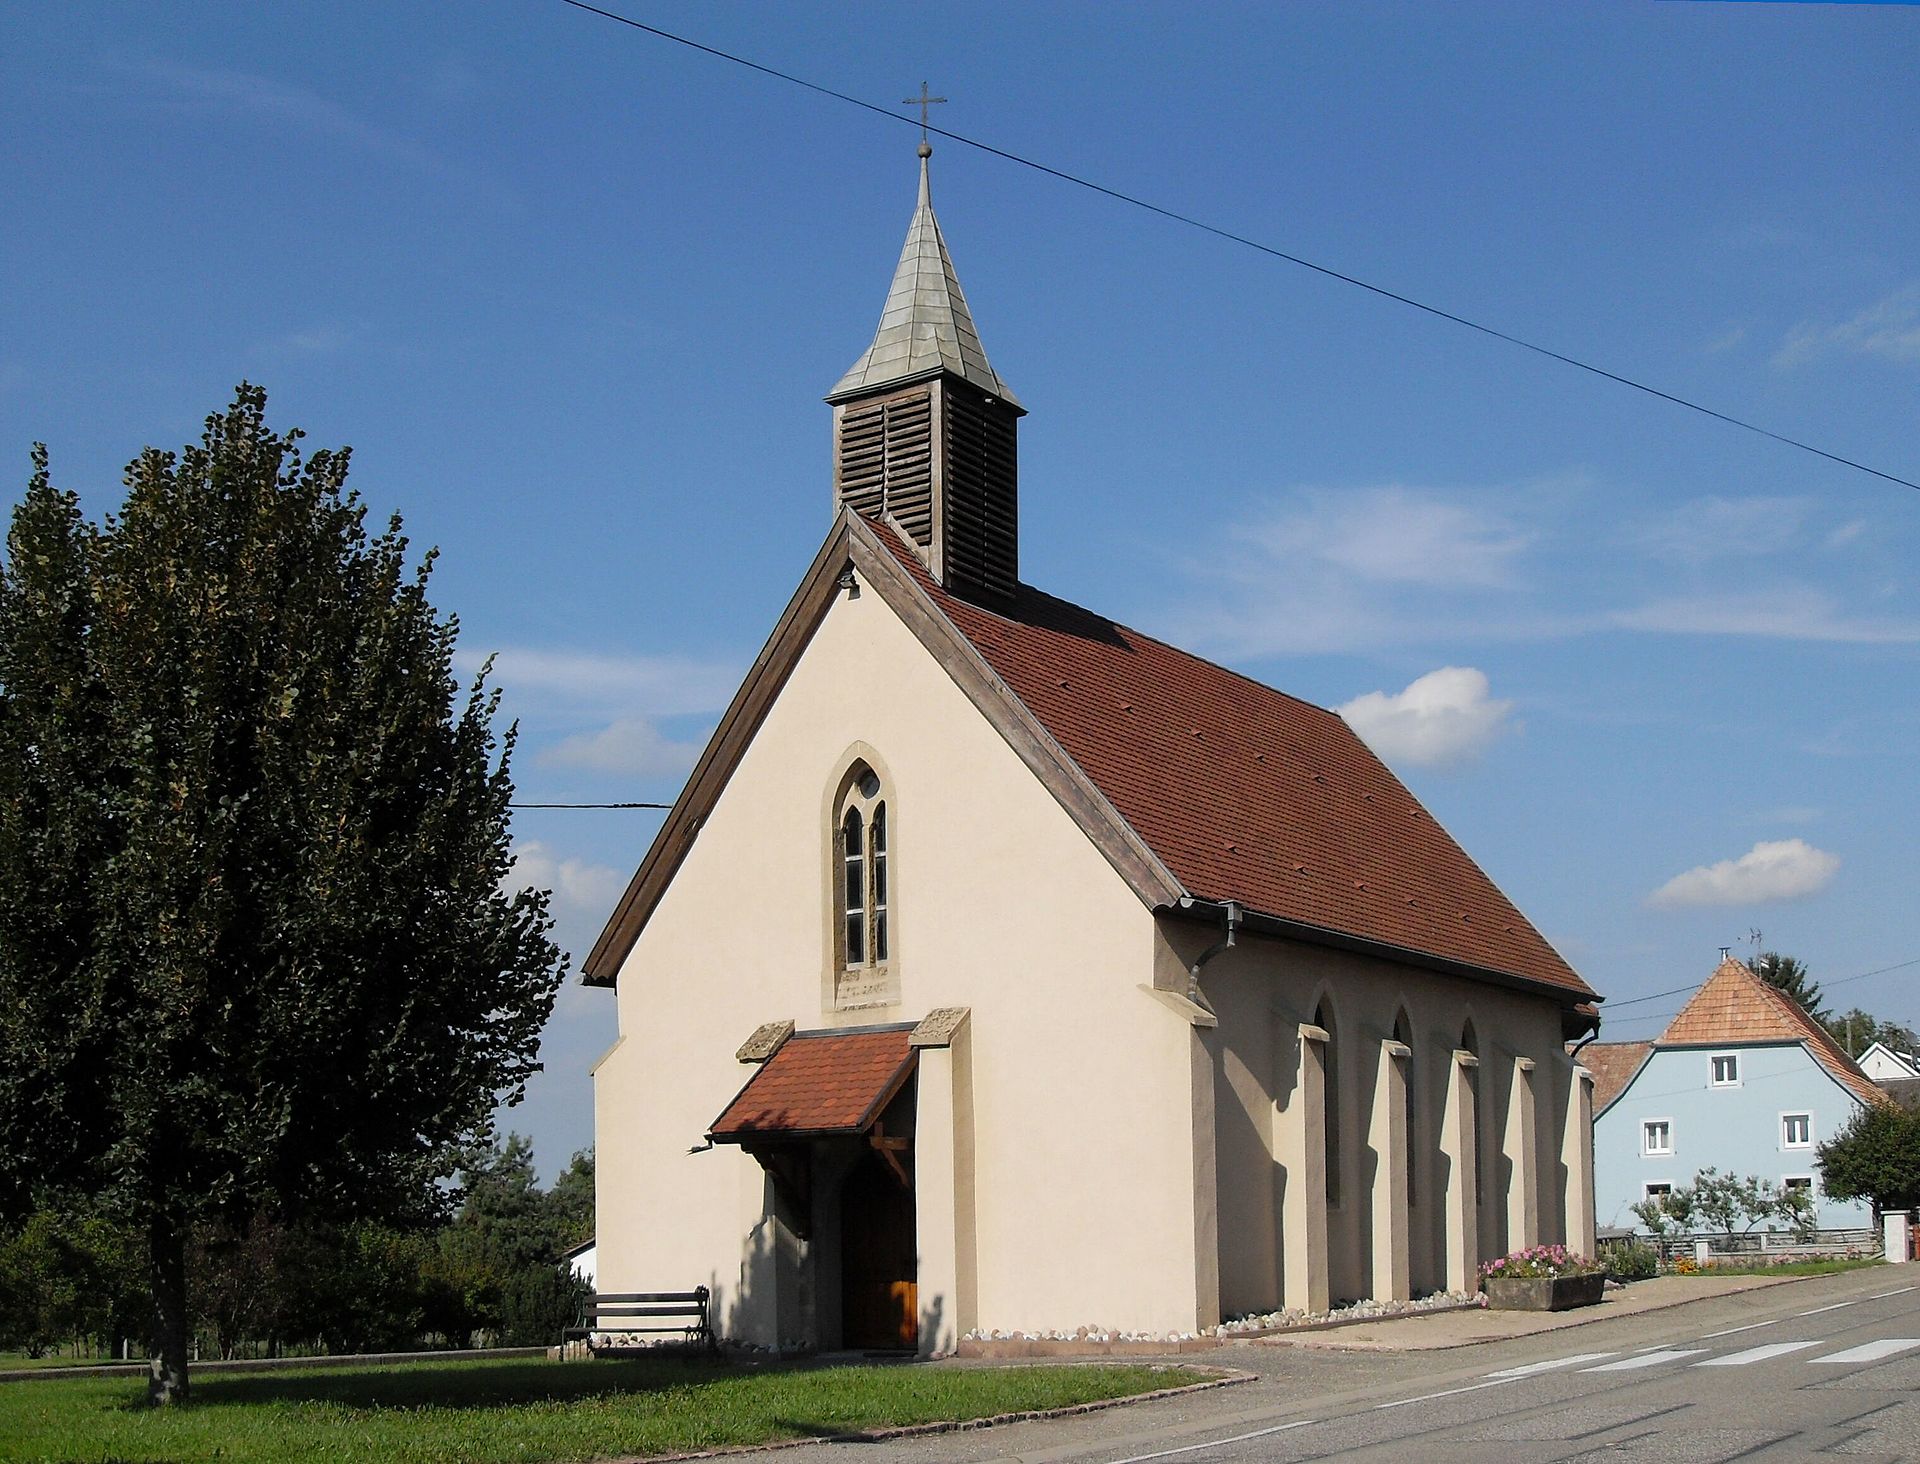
(820, 1082)
(1245, 793)
(1736, 1006)
(1613, 1065)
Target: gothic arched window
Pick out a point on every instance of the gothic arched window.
(1330, 1105)
(1403, 1034)
(860, 842)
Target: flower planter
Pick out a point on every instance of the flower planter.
(1544, 1293)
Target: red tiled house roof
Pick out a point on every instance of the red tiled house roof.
(1613, 1065)
(1243, 792)
(1735, 1006)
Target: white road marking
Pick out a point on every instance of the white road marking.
(1748, 1328)
(1883, 1295)
(1258, 1433)
(1539, 1367)
(1759, 1354)
(1818, 1309)
(1871, 1351)
(1444, 1393)
(1647, 1359)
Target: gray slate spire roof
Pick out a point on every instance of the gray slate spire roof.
(925, 326)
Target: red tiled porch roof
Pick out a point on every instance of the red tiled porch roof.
(819, 1083)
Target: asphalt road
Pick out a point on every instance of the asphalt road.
(1822, 1368)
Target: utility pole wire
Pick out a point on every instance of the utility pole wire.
(589, 805)
(1254, 244)
(1613, 1006)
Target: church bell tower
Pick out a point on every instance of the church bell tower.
(925, 434)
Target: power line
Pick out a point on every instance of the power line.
(1193, 223)
(589, 805)
(1614, 1006)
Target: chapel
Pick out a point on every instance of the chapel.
(1002, 968)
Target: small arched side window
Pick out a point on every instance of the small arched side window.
(1403, 1034)
(1330, 1105)
(861, 842)
(1470, 1042)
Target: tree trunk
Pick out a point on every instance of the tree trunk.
(167, 1272)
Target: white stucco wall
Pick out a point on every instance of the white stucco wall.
(1080, 1083)
(1263, 990)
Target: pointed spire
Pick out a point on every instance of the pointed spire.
(926, 327)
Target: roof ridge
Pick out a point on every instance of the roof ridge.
(1165, 645)
(1375, 865)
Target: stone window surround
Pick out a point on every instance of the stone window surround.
(871, 988)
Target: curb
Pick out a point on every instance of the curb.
(1003, 1349)
(1223, 1377)
(1578, 1318)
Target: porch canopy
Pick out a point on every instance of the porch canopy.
(819, 1085)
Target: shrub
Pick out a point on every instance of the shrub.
(1629, 1260)
(1539, 1260)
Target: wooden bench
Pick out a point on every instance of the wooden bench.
(624, 1313)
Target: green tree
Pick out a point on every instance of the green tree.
(255, 954)
(502, 1253)
(1789, 974)
(1875, 1157)
(1858, 1029)
(571, 1201)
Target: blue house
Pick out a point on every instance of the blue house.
(1742, 1080)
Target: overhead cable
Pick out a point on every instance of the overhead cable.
(1191, 222)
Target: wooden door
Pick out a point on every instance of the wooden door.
(879, 1300)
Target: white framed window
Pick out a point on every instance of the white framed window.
(1657, 1189)
(1726, 1070)
(1656, 1136)
(1798, 1182)
(1796, 1130)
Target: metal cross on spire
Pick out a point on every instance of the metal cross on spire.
(923, 101)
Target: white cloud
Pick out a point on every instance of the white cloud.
(1791, 813)
(628, 745)
(660, 686)
(1846, 533)
(1397, 535)
(1329, 570)
(1889, 328)
(1783, 869)
(1443, 717)
(266, 99)
(1713, 527)
(575, 882)
(1784, 611)
(317, 341)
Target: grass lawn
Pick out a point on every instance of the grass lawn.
(479, 1412)
(1826, 1267)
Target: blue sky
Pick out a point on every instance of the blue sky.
(573, 295)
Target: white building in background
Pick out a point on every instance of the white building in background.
(1881, 1063)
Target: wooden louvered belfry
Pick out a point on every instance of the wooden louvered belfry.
(925, 433)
